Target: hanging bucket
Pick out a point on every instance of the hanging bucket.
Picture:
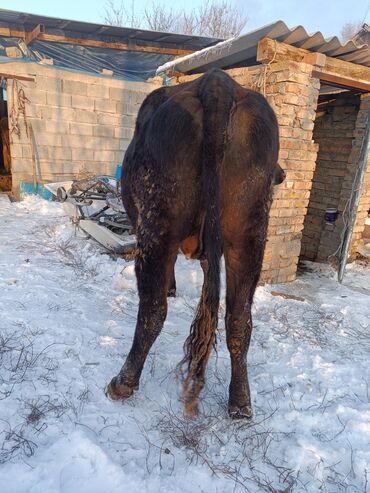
(331, 215)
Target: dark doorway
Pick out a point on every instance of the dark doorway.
(333, 177)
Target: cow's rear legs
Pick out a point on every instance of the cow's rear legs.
(154, 270)
(171, 293)
(242, 272)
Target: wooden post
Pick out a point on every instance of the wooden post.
(33, 149)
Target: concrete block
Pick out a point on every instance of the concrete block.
(13, 52)
(98, 91)
(105, 156)
(82, 102)
(105, 106)
(75, 88)
(27, 152)
(84, 116)
(34, 110)
(58, 99)
(16, 151)
(119, 93)
(103, 131)
(42, 128)
(109, 119)
(49, 84)
(80, 129)
(59, 114)
(81, 154)
(123, 133)
(36, 97)
(53, 153)
(127, 108)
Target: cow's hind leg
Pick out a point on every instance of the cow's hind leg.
(171, 293)
(154, 269)
(242, 272)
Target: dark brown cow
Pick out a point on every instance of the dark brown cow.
(198, 176)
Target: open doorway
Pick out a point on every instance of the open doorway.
(5, 162)
(334, 131)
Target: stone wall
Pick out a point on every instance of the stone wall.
(332, 182)
(80, 122)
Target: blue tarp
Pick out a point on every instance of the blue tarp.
(128, 65)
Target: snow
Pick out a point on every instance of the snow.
(202, 54)
(68, 315)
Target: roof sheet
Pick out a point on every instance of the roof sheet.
(242, 51)
(123, 34)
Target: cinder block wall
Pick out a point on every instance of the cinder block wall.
(80, 122)
(334, 132)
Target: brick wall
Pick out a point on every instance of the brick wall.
(332, 182)
(364, 203)
(293, 93)
(80, 122)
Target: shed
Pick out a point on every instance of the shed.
(320, 91)
(70, 92)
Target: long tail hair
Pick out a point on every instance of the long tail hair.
(216, 94)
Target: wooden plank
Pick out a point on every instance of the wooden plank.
(31, 35)
(7, 32)
(340, 81)
(350, 74)
(116, 46)
(16, 77)
(11, 33)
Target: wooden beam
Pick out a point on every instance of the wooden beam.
(333, 70)
(269, 49)
(340, 81)
(17, 77)
(12, 33)
(31, 35)
(117, 46)
(7, 32)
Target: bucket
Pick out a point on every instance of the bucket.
(331, 215)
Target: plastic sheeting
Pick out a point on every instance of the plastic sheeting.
(128, 65)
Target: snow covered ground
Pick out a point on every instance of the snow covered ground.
(68, 312)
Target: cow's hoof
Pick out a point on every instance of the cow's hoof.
(118, 391)
(243, 412)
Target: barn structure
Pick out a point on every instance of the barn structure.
(320, 91)
(70, 92)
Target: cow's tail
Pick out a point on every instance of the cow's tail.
(216, 96)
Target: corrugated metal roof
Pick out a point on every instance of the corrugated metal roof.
(242, 51)
(122, 34)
